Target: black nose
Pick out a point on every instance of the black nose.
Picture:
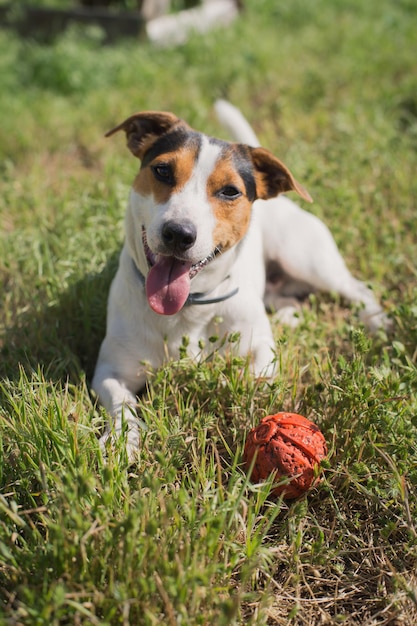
(179, 236)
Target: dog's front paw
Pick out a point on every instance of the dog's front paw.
(123, 435)
(289, 315)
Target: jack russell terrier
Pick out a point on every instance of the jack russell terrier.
(208, 245)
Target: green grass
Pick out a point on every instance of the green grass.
(183, 537)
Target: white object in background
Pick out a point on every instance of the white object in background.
(174, 29)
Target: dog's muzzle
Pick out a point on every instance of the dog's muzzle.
(169, 278)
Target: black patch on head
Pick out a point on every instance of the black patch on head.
(242, 162)
(171, 142)
(244, 166)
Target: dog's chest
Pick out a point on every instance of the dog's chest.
(159, 339)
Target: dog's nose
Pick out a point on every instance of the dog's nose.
(179, 236)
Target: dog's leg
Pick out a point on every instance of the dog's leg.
(116, 388)
(261, 348)
(246, 314)
(305, 249)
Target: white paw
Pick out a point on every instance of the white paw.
(288, 315)
(124, 433)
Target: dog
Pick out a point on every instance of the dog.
(209, 240)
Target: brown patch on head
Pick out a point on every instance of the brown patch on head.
(273, 177)
(145, 184)
(229, 194)
(168, 165)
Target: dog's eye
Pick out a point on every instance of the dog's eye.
(230, 192)
(163, 173)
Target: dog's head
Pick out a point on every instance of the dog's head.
(195, 195)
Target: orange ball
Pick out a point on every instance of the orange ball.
(289, 445)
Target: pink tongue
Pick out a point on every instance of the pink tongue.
(168, 285)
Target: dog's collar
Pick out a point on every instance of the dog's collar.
(198, 297)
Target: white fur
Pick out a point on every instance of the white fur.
(137, 339)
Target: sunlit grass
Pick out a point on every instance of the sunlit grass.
(183, 537)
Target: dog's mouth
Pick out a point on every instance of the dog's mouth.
(168, 281)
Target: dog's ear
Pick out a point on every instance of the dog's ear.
(273, 177)
(142, 129)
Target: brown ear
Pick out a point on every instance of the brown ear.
(273, 177)
(142, 129)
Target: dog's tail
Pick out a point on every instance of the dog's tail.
(232, 119)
